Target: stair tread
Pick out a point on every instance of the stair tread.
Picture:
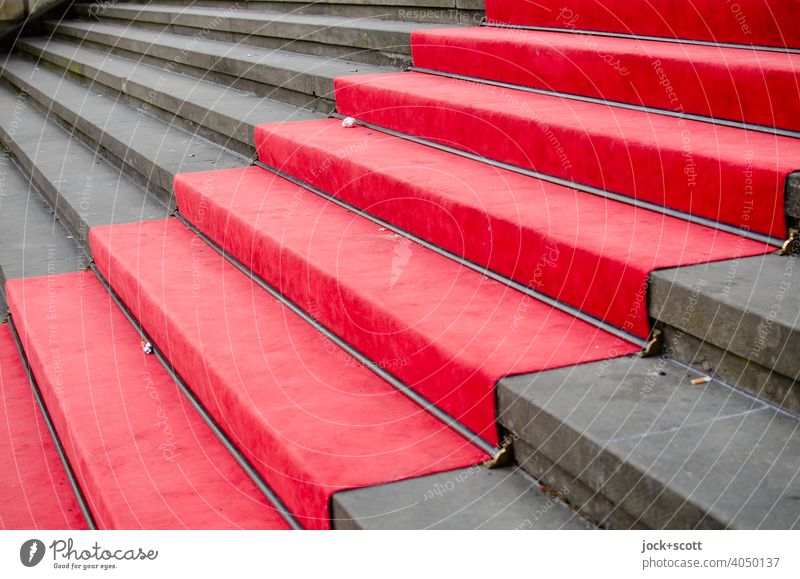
(472, 498)
(403, 302)
(311, 419)
(198, 100)
(714, 81)
(36, 491)
(669, 453)
(716, 174)
(143, 456)
(758, 22)
(156, 149)
(565, 243)
(77, 181)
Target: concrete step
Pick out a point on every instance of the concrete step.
(639, 445)
(449, 12)
(739, 320)
(471, 498)
(33, 241)
(81, 187)
(146, 148)
(367, 40)
(224, 115)
(299, 79)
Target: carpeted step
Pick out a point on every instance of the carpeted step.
(726, 83)
(310, 418)
(759, 22)
(443, 329)
(589, 252)
(36, 491)
(719, 173)
(142, 455)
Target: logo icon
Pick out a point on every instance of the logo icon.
(32, 552)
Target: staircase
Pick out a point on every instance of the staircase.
(283, 265)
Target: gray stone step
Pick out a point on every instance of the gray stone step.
(739, 320)
(640, 446)
(299, 79)
(146, 148)
(224, 115)
(468, 12)
(471, 498)
(33, 242)
(367, 40)
(82, 187)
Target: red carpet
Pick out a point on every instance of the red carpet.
(445, 330)
(36, 491)
(142, 455)
(727, 83)
(586, 251)
(764, 22)
(715, 172)
(311, 419)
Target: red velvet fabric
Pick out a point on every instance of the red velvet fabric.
(446, 331)
(759, 22)
(720, 173)
(726, 83)
(589, 252)
(142, 455)
(36, 491)
(311, 419)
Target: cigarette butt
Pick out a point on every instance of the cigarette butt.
(702, 380)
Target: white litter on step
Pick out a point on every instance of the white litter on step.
(349, 123)
(147, 347)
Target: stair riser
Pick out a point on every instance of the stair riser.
(584, 499)
(745, 374)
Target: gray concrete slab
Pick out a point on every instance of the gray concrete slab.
(33, 242)
(749, 306)
(84, 188)
(667, 452)
(302, 74)
(471, 498)
(375, 41)
(229, 114)
(148, 147)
